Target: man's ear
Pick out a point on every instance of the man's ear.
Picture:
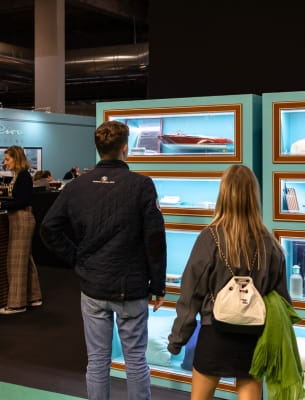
(125, 149)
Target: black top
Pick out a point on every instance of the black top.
(21, 193)
(68, 175)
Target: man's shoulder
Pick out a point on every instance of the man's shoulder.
(139, 176)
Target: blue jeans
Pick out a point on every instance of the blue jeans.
(131, 319)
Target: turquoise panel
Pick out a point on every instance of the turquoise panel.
(179, 247)
(187, 192)
(66, 140)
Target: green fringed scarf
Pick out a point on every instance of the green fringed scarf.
(276, 354)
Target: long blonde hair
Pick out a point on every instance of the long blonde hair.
(17, 153)
(238, 214)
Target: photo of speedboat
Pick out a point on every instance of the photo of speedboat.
(180, 142)
(182, 138)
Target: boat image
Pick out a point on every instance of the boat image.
(182, 138)
(194, 143)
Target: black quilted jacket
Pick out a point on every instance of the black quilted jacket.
(119, 248)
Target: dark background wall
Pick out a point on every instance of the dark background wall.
(202, 48)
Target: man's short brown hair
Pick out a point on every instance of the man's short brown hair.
(110, 136)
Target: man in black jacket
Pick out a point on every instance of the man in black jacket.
(119, 254)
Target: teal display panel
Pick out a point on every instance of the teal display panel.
(293, 243)
(180, 239)
(236, 118)
(284, 182)
(186, 192)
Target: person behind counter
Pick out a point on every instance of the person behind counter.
(24, 287)
(42, 179)
(73, 173)
(239, 228)
(120, 258)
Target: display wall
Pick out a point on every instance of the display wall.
(184, 145)
(56, 141)
(284, 183)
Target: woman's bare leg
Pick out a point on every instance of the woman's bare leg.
(203, 386)
(249, 389)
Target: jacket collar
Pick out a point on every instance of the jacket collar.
(112, 164)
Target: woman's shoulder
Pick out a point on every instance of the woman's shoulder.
(209, 232)
(269, 239)
(272, 245)
(206, 231)
(24, 172)
(24, 175)
(206, 235)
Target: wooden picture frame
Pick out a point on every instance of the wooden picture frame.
(289, 196)
(288, 133)
(207, 133)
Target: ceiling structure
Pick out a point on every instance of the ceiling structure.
(109, 37)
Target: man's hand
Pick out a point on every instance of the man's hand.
(158, 303)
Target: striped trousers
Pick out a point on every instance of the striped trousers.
(22, 275)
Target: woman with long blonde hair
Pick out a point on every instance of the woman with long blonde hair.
(24, 288)
(247, 245)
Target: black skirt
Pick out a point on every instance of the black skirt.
(227, 355)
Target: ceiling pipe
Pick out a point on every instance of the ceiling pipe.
(107, 62)
(16, 59)
(82, 64)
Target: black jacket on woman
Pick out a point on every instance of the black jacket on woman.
(21, 194)
(119, 252)
(206, 273)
